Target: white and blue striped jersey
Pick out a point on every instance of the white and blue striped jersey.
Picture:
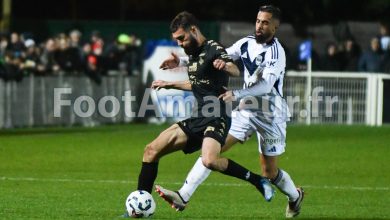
(264, 70)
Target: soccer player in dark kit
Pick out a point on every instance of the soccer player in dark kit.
(209, 68)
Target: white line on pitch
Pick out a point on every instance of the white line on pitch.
(358, 188)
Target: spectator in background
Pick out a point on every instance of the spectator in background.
(75, 42)
(331, 61)
(11, 66)
(97, 45)
(124, 55)
(371, 60)
(31, 58)
(68, 58)
(14, 58)
(134, 67)
(350, 55)
(3, 47)
(92, 57)
(384, 36)
(115, 54)
(16, 45)
(75, 38)
(95, 37)
(3, 44)
(47, 63)
(64, 54)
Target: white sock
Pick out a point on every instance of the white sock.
(195, 177)
(285, 184)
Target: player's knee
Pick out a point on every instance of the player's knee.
(150, 153)
(209, 163)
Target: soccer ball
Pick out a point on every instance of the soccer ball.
(140, 204)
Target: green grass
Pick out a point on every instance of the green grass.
(65, 173)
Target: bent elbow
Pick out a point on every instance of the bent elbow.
(235, 73)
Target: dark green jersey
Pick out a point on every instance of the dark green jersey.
(207, 82)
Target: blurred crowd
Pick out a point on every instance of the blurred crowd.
(68, 54)
(347, 55)
(73, 54)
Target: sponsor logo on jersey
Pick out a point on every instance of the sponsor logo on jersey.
(271, 63)
(273, 149)
(209, 128)
(272, 141)
(193, 67)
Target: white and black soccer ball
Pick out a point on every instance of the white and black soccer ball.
(140, 204)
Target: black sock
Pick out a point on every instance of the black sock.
(147, 176)
(236, 170)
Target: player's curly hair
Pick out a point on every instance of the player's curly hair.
(183, 20)
(275, 11)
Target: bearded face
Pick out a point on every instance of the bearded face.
(186, 40)
(191, 47)
(265, 27)
(262, 36)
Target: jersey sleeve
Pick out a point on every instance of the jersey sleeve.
(275, 61)
(220, 52)
(234, 51)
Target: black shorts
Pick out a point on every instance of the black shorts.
(196, 129)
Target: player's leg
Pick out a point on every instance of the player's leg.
(272, 138)
(212, 160)
(170, 140)
(175, 199)
(198, 174)
(282, 180)
(239, 132)
(240, 129)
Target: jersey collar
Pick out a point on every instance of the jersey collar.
(269, 43)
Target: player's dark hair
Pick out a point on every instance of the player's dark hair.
(183, 20)
(275, 11)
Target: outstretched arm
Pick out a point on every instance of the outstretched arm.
(264, 86)
(181, 85)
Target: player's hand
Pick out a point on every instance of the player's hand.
(228, 96)
(170, 63)
(159, 84)
(219, 64)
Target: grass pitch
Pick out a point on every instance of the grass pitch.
(86, 173)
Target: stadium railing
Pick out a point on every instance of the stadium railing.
(31, 102)
(343, 98)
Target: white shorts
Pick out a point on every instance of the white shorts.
(271, 136)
